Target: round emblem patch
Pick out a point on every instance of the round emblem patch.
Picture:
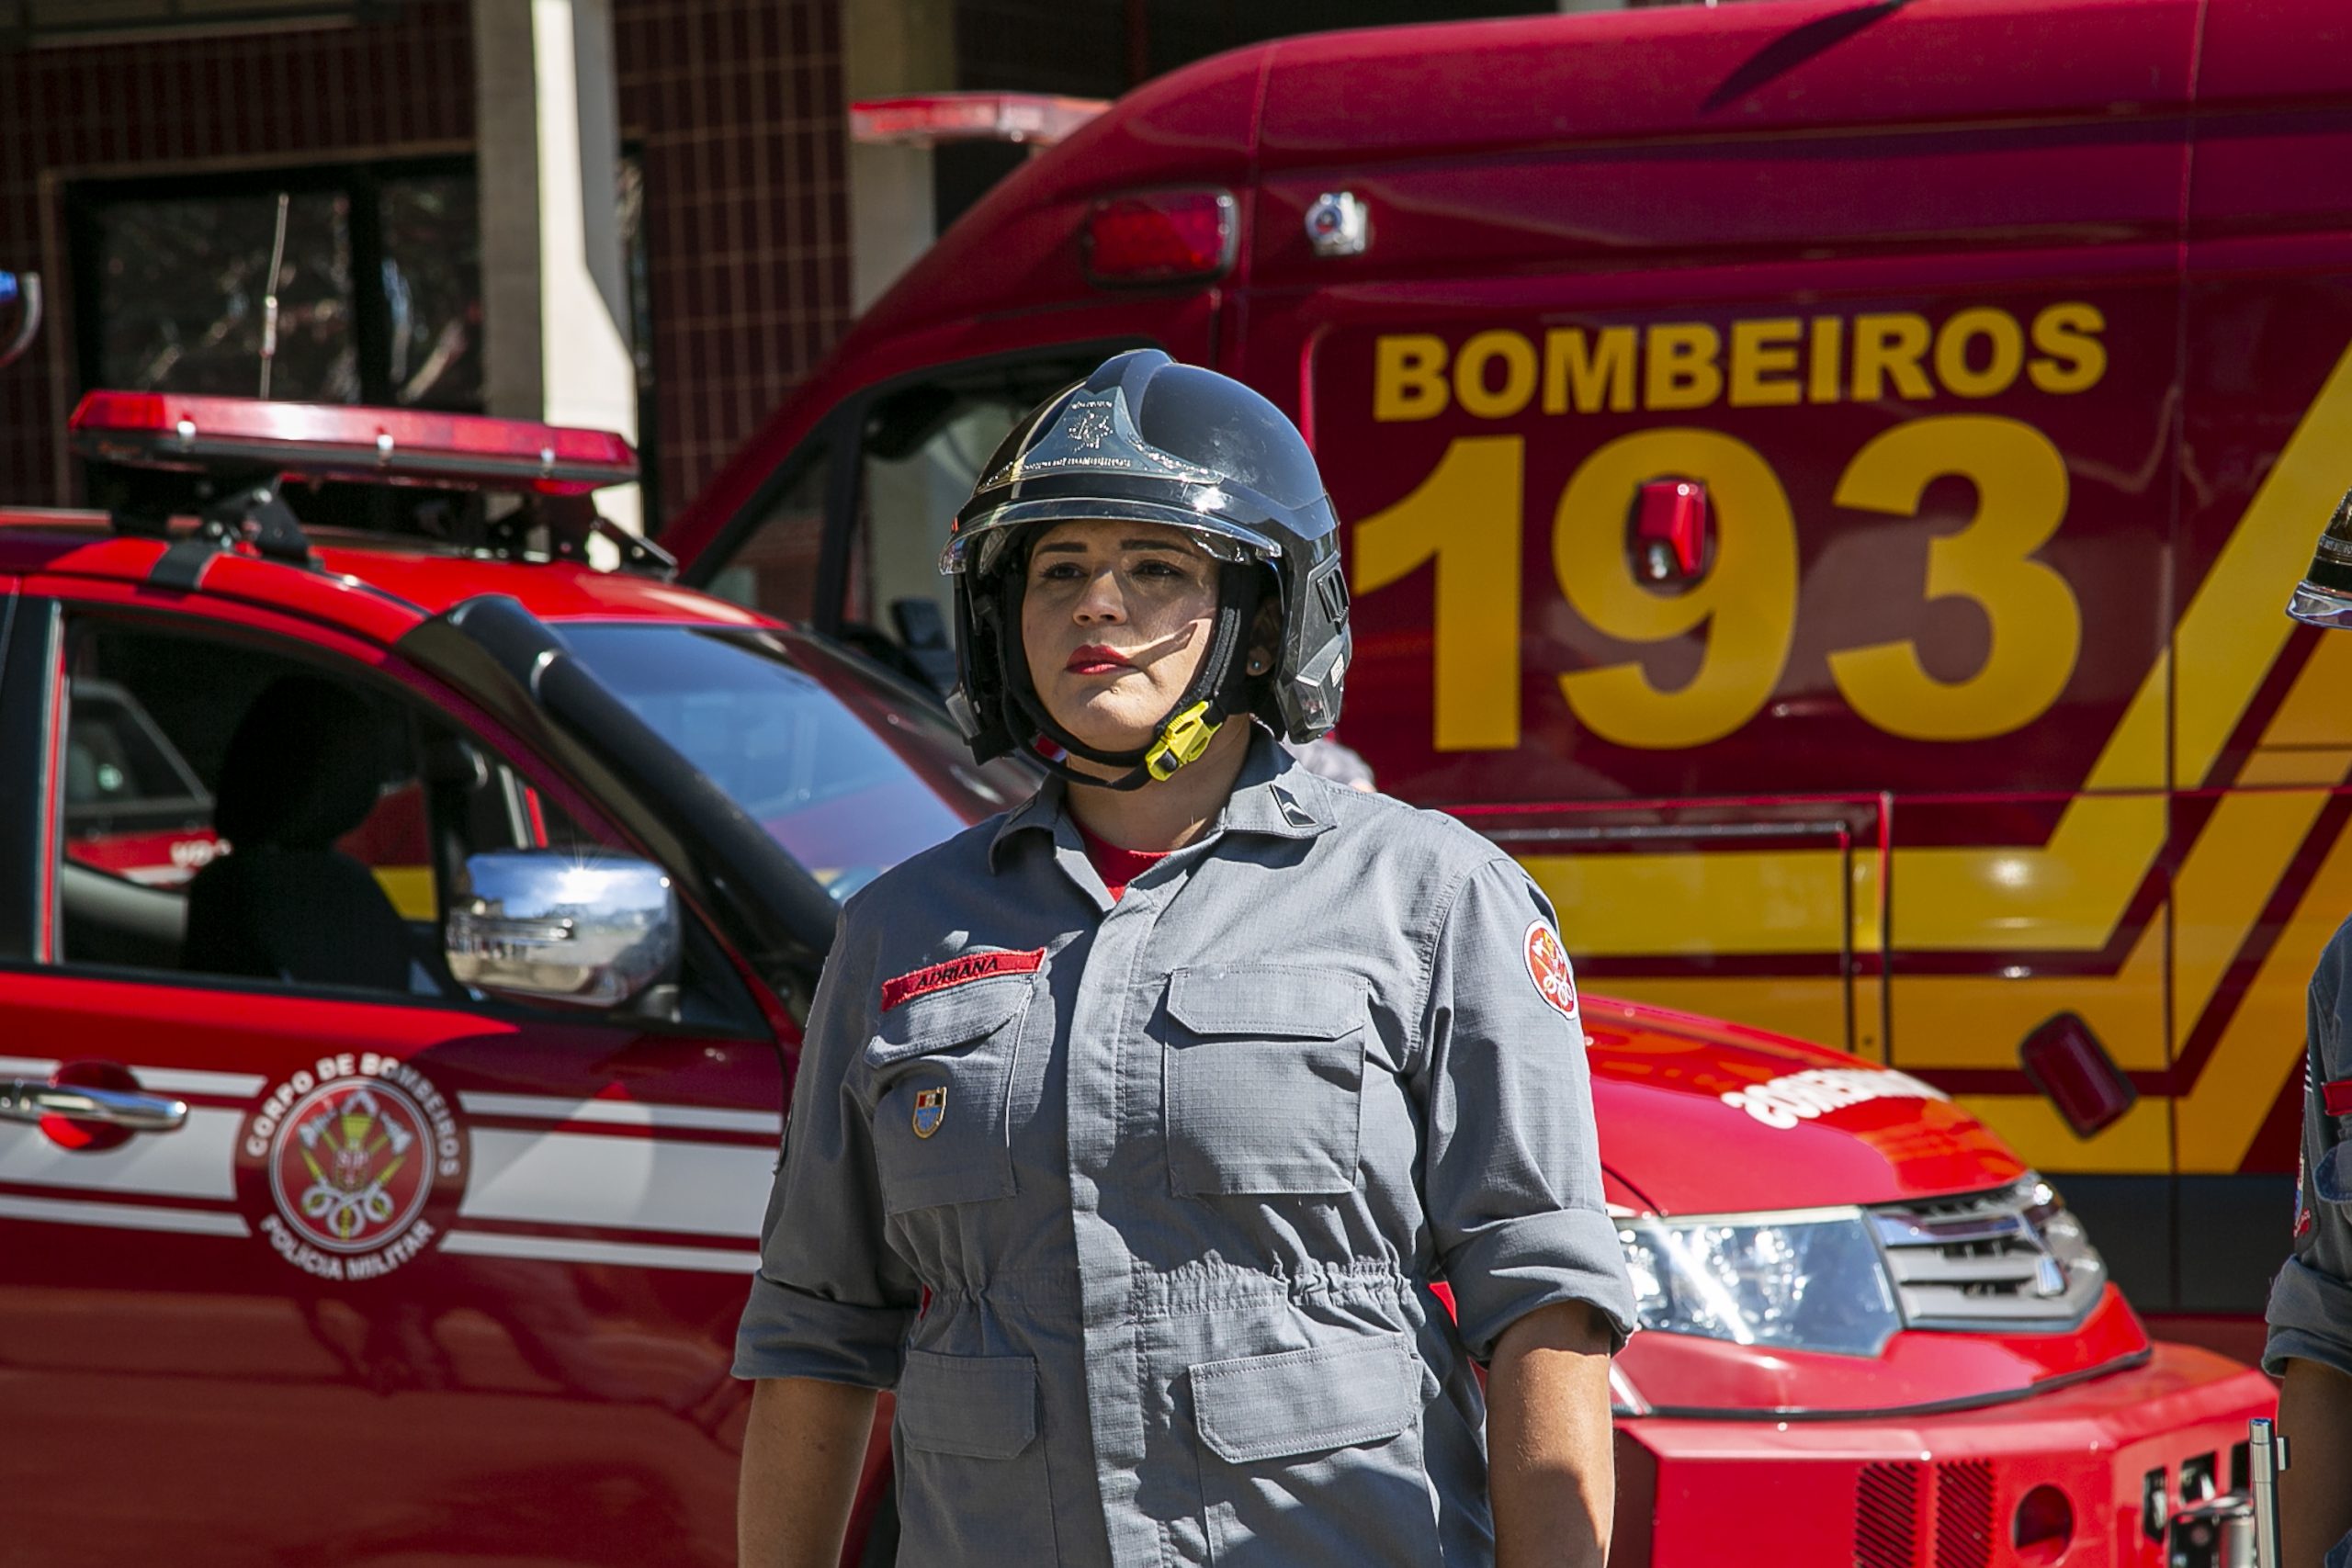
(1548, 965)
(353, 1158)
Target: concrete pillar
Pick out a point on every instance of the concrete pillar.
(891, 48)
(555, 293)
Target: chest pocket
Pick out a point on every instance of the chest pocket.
(1263, 1080)
(939, 1080)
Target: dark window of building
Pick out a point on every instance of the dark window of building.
(377, 281)
(379, 278)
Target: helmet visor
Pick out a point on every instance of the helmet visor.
(978, 546)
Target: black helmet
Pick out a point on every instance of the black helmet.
(2323, 598)
(1146, 439)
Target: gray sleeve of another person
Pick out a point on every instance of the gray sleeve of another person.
(2311, 1304)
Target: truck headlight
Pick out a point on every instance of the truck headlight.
(1809, 1280)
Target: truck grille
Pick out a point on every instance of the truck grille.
(1890, 1497)
(2012, 1259)
(1886, 1515)
(1964, 1513)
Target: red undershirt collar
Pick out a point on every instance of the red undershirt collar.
(1115, 866)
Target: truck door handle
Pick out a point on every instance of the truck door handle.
(21, 1100)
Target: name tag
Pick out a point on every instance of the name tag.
(959, 972)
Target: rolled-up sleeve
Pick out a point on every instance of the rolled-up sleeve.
(2310, 1302)
(1511, 1173)
(831, 1300)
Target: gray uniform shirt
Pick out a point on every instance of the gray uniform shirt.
(1139, 1204)
(2310, 1304)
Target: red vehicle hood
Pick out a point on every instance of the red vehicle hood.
(1699, 1116)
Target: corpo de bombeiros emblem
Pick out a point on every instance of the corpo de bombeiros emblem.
(353, 1154)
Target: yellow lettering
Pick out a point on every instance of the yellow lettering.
(1761, 349)
(1592, 371)
(1680, 366)
(2068, 337)
(1466, 518)
(1408, 378)
(1997, 328)
(1471, 388)
(1746, 601)
(1891, 345)
(2037, 626)
(1828, 358)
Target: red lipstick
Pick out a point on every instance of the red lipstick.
(1096, 659)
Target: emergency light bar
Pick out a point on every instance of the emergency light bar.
(929, 117)
(322, 441)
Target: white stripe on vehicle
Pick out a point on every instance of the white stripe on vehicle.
(188, 1080)
(196, 1160)
(648, 1184)
(162, 1080)
(627, 1255)
(121, 1217)
(621, 1112)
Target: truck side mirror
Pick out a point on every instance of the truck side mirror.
(549, 926)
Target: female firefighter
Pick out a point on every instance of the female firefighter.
(1136, 1129)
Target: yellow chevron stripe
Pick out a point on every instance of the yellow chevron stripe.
(2219, 896)
(2217, 1119)
(1692, 905)
(1976, 1020)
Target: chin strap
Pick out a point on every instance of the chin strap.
(1219, 689)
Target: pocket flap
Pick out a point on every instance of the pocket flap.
(1302, 1401)
(1283, 1001)
(978, 1406)
(969, 1012)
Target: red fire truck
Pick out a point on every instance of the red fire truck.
(1822, 481)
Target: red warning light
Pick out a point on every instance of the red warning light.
(322, 441)
(1168, 236)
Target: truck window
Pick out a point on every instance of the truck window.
(775, 571)
(151, 724)
(921, 451)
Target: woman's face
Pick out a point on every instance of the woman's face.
(1116, 618)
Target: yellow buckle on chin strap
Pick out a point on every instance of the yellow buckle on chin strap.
(1181, 741)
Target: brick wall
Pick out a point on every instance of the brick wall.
(735, 107)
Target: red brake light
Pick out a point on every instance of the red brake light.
(323, 441)
(1161, 237)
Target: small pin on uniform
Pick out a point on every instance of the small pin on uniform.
(931, 1109)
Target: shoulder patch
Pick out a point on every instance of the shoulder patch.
(1548, 965)
(956, 972)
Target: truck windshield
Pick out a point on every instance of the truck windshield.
(848, 769)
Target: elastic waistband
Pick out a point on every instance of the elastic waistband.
(1178, 1292)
